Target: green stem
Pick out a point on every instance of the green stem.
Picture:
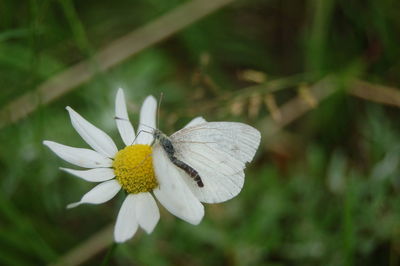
(110, 252)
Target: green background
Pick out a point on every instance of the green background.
(322, 190)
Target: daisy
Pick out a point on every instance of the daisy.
(130, 169)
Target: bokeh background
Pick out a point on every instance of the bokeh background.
(318, 78)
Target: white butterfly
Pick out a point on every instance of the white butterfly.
(217, 151)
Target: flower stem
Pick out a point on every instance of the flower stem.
(110, 252)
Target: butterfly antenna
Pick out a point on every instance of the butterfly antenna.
(146, 125)
(158, 110)
(141, 131)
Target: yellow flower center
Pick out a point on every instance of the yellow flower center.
(133, 168)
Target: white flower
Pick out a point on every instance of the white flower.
(219, 159)
(130, 169)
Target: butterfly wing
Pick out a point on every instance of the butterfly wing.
(172, 192)
(218, 151)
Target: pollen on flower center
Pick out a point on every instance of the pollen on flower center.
(133, 168)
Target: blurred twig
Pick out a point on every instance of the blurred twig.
(91, 247)
(375, 93)
(297, 107)
(234, 96)
(359, 88)
(109, 56)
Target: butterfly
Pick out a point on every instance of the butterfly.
(214, 154)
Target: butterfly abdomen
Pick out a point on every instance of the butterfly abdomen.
(189, 170)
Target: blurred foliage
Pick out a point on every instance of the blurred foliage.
(324, 192)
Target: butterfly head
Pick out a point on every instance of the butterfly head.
(157, 134)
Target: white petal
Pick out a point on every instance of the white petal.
(125, 127)
(196, 121)
(147, 121)
(92, 175)
(126, 224)
(99, 194)
(172, 192)
(93, 136)
(80, 157)
(146, 211)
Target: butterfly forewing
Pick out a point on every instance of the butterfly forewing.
(218, 151)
